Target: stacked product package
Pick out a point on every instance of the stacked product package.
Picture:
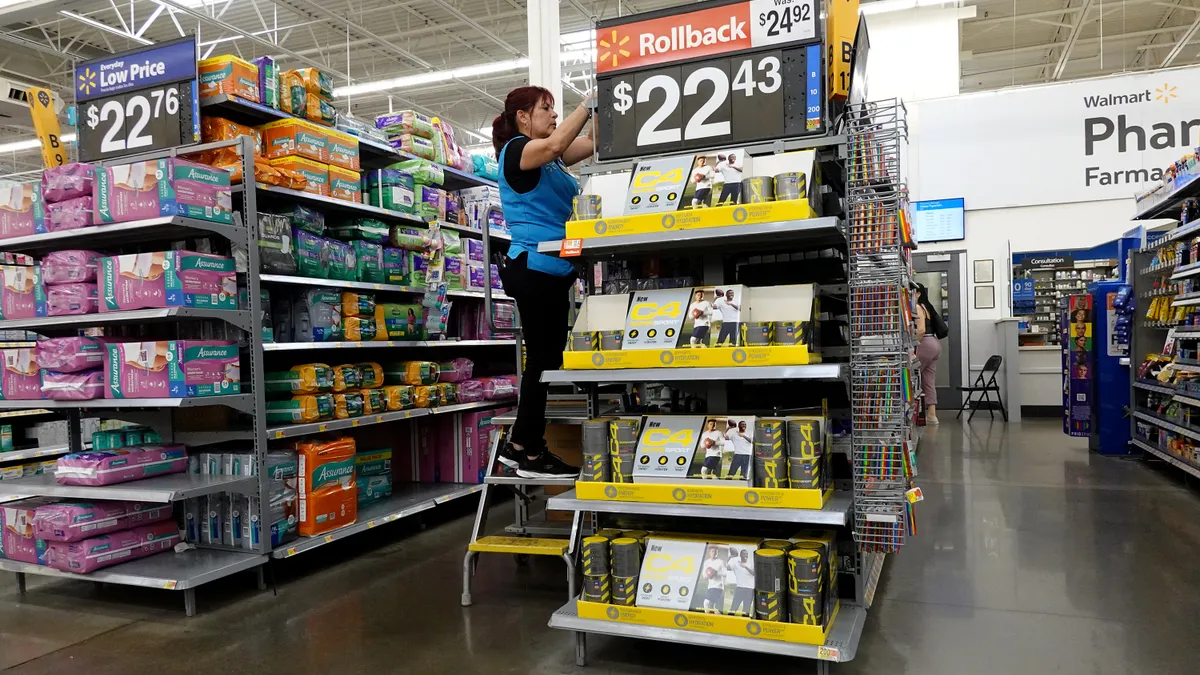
(225, 519)
(426, 137)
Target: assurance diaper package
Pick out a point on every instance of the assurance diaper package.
(328, 491)
(171, 369)
(22, 295)
(22, 210)
(163, 187)
(167, 279)
(21, 380)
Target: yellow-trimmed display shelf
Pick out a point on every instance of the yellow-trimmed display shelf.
(700, 622)
(703, 493)
(719, 216)
(709, 357)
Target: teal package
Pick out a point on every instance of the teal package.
(373, 488)
(373, 462)
(368, 258)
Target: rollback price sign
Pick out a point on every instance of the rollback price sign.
(708, 75)
(138, 101)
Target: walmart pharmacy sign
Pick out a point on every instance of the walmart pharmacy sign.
(136, 69)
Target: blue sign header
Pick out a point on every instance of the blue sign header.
(939, 204)
(137, 69)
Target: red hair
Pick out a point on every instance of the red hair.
(504, 127)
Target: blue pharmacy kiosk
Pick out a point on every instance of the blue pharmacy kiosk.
(1110, 381)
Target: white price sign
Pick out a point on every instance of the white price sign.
(778, 21)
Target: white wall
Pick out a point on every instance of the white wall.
(914, 54)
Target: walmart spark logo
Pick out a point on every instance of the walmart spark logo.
(614, 48)
(1165, 93)
(87, 81)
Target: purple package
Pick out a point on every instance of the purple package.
(473, 280)
(497, 285)
(75, 521)
(167, 279)
(71, 214)
(106, 467)
(501, 386)
(470, 391)
(21, 378)
(70, 354)
(69, 267)
(82, 386)
(68, 181)
(162, 187)
(92, 554)
(70, 299)
(18, 540)
(171, 369)
(474, 249)
(21, 292)
(455, 370)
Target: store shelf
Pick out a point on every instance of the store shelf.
(1190, 432)
(1185, 271)
(138, 316)
(243, 402)
(406, 500)
(331, 204)
(1159, 206)
(368, 286)
(162, 489)
(241, 111)
(841, 645)
(517, 480)
(168, 570)
(1177, 462)
(1160, 388)
(474, 233)
(1188, 400)
(375, 155)
(872, 574)
(733, 236)
(296, 430)
(34, 453)
(835, 513)
(1187, 367)
(101, 236)
(306, 346)
(820, 371)
(1186, 299)
(8, 414)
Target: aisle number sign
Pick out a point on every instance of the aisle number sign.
(717, 76)
(45, 123)
(138, 101)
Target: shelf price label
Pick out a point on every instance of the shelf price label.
(715, 77)
(138, 101)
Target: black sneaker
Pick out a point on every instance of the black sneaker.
(510, 456)
(545, 465)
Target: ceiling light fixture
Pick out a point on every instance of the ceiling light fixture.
(884, 6)
(427, 78)
(33, 144)
(105, 27)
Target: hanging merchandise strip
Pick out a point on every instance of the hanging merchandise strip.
(881, 320)
(437, 310)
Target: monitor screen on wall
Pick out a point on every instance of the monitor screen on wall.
(938, 220)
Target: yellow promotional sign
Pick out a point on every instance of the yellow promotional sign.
(715, 624)
(841, 26)
(45, 123)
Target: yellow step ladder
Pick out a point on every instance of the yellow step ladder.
(521, 547)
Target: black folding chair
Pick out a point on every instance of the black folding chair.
(985, 386)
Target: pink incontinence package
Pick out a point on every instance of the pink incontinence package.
(75, 521)
(18, 540)
(82, 386)
(501, 386)
(470, 391)
(162, 187)
(21, 293)
(107, 467)
(70, 354)
(22, 211)
(171, 369)
(167, 279)
(92, 554)
(21, 380)
(455, 370)
(69, 181)
(69, 267)
(70, 299)
(71, 214)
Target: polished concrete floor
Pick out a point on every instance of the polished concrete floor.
(1033, 557)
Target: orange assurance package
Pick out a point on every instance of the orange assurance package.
(328, 492)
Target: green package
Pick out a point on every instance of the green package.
(423, 171)
(368, 257)
(395, 265)
(369, 229)
(373, 462)
(417, 270)
(451, 242)
(339, 256)
(300, 409)
(401, 321)
(310, 252)
(409, 237)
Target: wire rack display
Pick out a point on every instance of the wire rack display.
(882, 378)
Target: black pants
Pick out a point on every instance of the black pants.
(731, 192)
(544, 307)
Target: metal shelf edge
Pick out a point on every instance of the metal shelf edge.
(1167, 457)
(165, 571)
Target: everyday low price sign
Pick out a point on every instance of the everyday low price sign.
(138, 101)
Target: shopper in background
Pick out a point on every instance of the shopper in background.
(731, 170)
(929, 348)
(536, 194)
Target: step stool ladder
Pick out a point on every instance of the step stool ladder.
(521, 545)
